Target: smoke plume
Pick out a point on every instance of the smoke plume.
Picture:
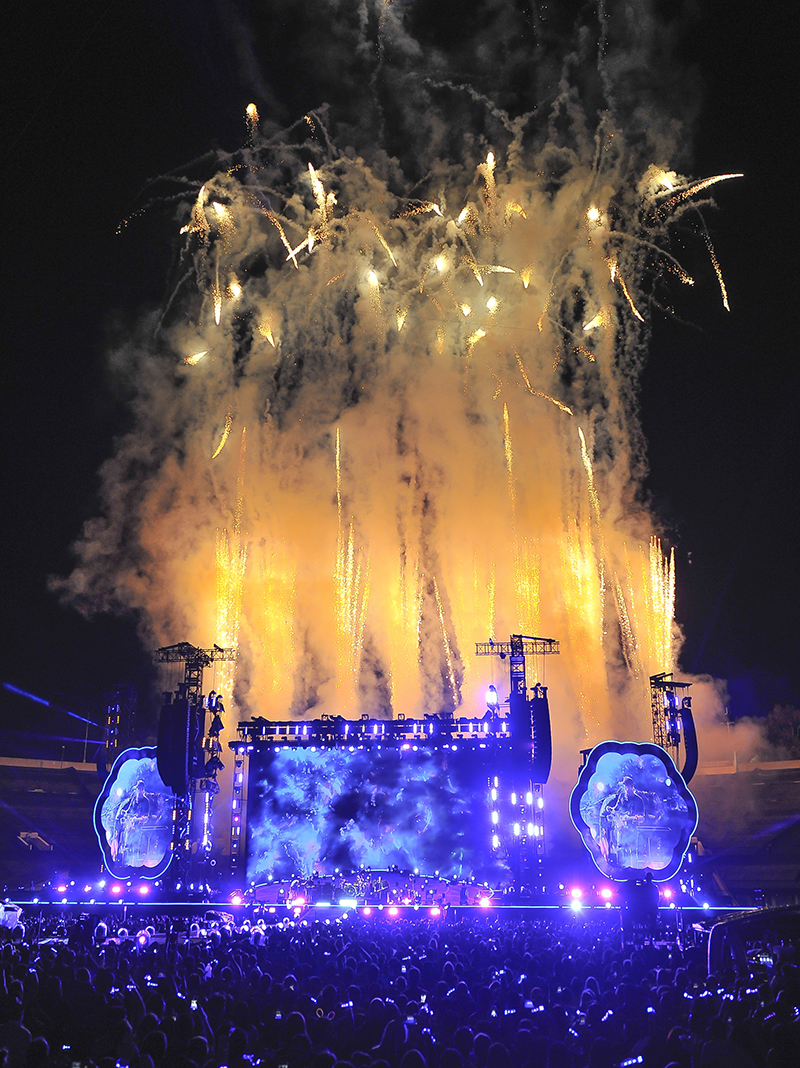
(390, 409)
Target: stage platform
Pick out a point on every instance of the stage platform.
(134, 914)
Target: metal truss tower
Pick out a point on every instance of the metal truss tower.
(183, 747)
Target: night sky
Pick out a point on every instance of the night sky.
(103, 98)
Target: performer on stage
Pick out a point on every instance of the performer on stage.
(620, 815)
(136, 815)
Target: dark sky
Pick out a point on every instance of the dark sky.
(104, 97)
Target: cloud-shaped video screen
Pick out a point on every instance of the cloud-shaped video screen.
(133, 817)
(633, 810)
(313, 810)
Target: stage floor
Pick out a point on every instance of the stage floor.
(379, 888)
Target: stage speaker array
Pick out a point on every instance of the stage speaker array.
(180, 743)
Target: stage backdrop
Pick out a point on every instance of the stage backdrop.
(313, 811)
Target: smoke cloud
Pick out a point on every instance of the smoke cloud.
(390, 410)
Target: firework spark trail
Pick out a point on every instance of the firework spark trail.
(198, 223)
(587, 463)
(660, 605)
(231, 558)
(351, 576)
(252, 118)
(629, 299)
(582, 596)
(538, 392)
(509, 453)
(717, 271)
(526, 563)
(448, 652)
(226, 430)
(492, 608)
(693, 190)
(276, 591)
(382, 299)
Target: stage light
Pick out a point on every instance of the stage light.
(495, 816)
(529, 798)
(576, 893)
(300, 901)
(576, 904)
(143, 890)
(492, 699)
(485, 902)
(116, 889)
(667, 893)
(236, 898)
(516, 829)
(87, 888)
(61, 889)
(393, 910)
(436, 911)
(606, 893)
(143, 939)
(366, 911)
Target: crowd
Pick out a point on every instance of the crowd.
(413, 994)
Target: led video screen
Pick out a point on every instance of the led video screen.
(633, 810)
(133, 817)
(313, 810)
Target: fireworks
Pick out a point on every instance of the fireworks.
(405, 491)
(505, 543)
